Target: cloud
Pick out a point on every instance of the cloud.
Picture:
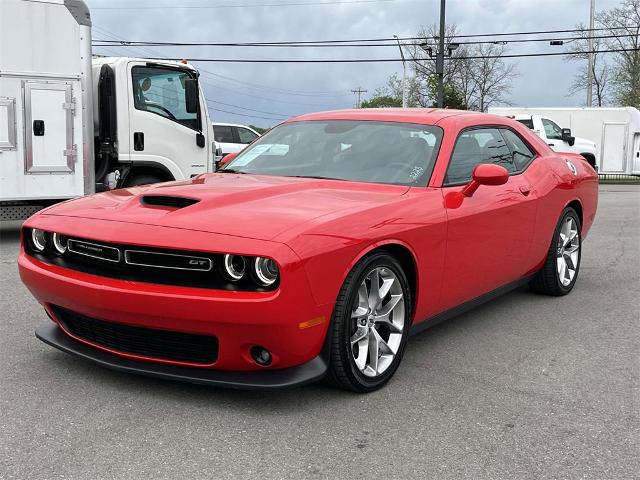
(312, 87)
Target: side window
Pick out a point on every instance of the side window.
(522, 154)
(527, 122)
(161, 91)
(223, 133)
(246, 136)
(473, 147)
(551, 129)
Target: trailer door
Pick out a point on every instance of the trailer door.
(614, 138)
(636, 154)
(49, 128)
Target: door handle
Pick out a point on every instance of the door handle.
(38, 128)
(525, 189)
(552, 144)
(138, 141)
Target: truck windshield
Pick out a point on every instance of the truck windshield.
(161, 91)
(361, 151)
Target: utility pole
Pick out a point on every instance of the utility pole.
(440, 57)
(358, 91)
(591, 57)
(404, 74)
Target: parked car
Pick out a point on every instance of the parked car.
(616, 131)
(558, 138)
(232, 138)
(315, 252)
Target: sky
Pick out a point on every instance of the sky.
(264, 94)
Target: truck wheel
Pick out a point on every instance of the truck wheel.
(560, 271)
(142, 179)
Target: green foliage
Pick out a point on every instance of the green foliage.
(258, 129)
(383, 101)
(453, 98)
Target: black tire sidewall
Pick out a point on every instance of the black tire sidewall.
(362, 269)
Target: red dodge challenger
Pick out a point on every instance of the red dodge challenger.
(314, 253)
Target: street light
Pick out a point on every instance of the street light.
(404, 74)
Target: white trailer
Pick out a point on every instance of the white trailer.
(616, 132)
(71, 125)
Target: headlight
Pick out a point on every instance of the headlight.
(59, 243)
(266, 271)
(38, 239)
(234, 266)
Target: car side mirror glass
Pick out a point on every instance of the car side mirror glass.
(486, 174)
(191, 95)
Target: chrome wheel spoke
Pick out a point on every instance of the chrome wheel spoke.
(361, 332)
(568, 251)
(378, 319)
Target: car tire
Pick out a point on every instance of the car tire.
(556, 278)
(143, 179)
(345, 366)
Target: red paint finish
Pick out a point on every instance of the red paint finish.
(460, 246)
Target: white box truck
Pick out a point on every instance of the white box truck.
(616, 132)
(71, 124)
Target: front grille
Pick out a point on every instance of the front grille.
(147, 342)
(146, 264)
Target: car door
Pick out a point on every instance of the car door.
(553, 132)
(162, 131)
(489, 234)
(223, 134)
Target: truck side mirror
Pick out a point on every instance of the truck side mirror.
(566, 136)
(191, 97)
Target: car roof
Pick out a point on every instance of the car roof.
(427, 116)
(224, 124)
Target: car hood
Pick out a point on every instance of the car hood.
(252, 206)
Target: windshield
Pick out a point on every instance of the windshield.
(360, 151)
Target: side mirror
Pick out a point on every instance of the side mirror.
(191, 97)
(225, 160)
(486, 174)
(566, 137)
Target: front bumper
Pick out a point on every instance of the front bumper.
(255, 380)
(288, 321)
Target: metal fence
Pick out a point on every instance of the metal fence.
(618, 178)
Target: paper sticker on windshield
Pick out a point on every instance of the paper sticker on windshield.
(255, 152)
(416, 172)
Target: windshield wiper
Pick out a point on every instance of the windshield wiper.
(230, 170)
(319, 177)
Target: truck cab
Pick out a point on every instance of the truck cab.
(559, 139)
(148, 129)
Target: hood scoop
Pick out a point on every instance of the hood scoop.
(167, 201)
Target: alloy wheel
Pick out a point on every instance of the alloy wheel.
(377, 321)
(568, 251)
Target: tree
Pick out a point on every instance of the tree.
(475, 75)
(601, 68)
(623, 26)
(260, 130)
(390, 95)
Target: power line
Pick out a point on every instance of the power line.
(348, 45)
(281, 115)
(385, 60)
(359, 40)
(254, 5)
(245, 115)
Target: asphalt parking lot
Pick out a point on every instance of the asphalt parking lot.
(524, 387)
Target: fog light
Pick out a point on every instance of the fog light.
(261, 355)
(38, 239)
